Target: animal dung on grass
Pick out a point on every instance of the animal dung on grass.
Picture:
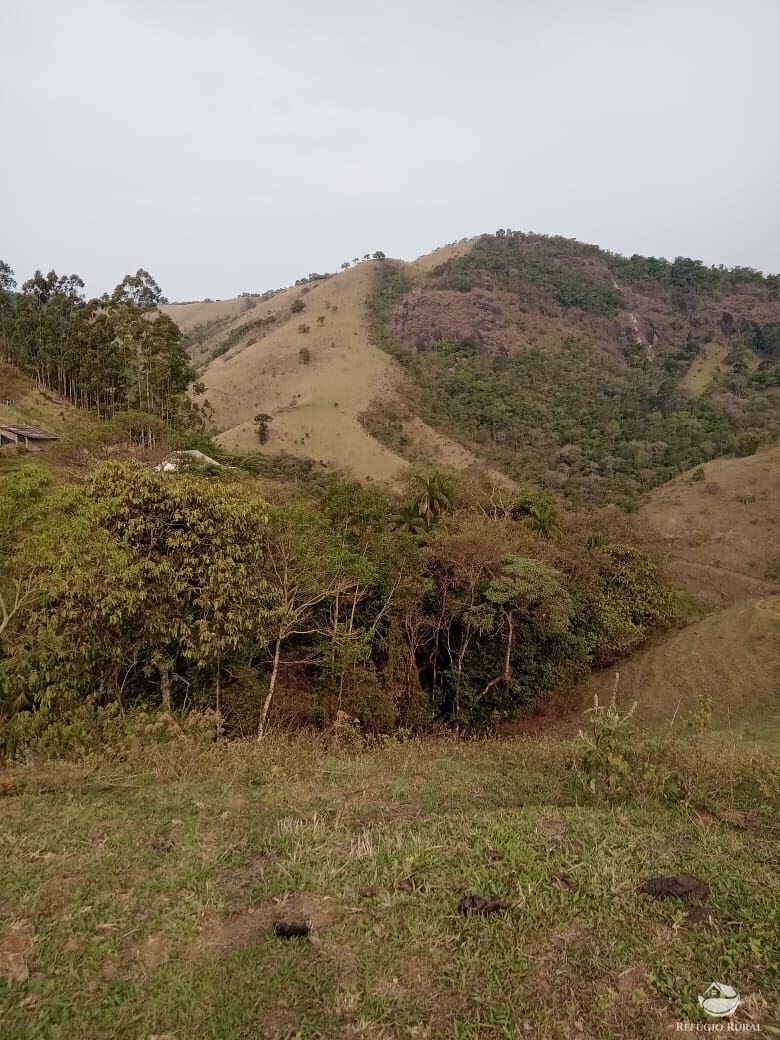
(483, 906)
(292, 929)
(678, 886)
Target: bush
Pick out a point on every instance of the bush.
(304, 355)
(746, 444)
(297, 306)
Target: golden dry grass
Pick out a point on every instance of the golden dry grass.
(708, 364)
(188, 315)
(731, 657)
(722, 531)
(315, 404)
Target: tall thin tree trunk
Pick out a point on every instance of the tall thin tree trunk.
(165, 686)
(271, 687)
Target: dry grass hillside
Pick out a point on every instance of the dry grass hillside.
(721, 525)
(721, 533)
(314, 370)
(731, 657)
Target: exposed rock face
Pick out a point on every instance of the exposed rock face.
(650, 331)
(428, 317)
(738, 326)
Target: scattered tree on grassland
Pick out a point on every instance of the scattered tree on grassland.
(262, 423)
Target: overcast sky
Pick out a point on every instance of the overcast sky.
(230, 146)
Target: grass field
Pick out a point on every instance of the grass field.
(137, 900)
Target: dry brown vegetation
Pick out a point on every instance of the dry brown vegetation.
(721, 525)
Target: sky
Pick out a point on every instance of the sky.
(236, 146)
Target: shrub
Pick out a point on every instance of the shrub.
(746, 444)
(297, 306)
(303, 328)
(304, 355)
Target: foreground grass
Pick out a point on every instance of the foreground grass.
(137, 901)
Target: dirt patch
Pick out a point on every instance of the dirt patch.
(317, 910)
(225, 935)
(15, 946)
(276, 1024)
(152, 953)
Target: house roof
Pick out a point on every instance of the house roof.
(171, 463)
(35, 433)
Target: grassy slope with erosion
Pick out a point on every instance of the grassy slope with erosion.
(139, 899)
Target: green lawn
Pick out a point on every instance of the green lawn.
(137, 900)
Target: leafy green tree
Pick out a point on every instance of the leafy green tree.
(538, 513)
(316, 582)
(149, 575)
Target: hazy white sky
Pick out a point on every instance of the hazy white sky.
(233, 145)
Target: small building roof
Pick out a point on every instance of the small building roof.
(35, 433)
(173, 462)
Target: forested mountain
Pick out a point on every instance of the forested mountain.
(596, 375)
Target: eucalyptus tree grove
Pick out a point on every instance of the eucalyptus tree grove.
(115, 353)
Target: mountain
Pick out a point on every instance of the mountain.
(592, 374)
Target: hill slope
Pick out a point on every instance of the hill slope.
(553, 360)
(591, 373)
(314, 369)
(731, 657)
(720, 524)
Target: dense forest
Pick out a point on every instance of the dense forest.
(457, 602)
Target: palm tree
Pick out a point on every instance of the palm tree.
(433, 495)
(542, 517)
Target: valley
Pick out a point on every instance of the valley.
(451, 639)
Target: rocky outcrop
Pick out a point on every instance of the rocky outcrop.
(429, 317)
(739, 327)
